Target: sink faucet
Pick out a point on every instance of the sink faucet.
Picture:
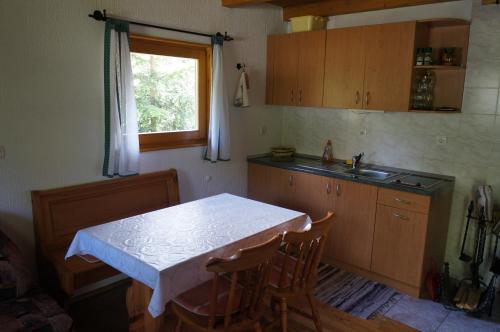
(357, 159)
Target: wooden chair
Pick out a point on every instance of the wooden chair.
(295, 269)
(234, 299)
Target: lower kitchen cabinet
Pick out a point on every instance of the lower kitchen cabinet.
(398, 244)
(351, 236)
(386, 235)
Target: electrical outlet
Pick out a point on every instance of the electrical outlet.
(441, 140)
(363, 132)
(207, 178)
(2, 152)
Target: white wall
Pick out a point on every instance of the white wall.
(408, 140)
(51, 97)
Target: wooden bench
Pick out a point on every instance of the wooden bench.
(59, 213)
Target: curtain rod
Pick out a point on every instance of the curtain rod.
(101, 16)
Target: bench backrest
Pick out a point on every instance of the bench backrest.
(59, 213)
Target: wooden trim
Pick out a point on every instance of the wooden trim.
(490, 2)
(201, 52)
(239, 3)
(340, 7)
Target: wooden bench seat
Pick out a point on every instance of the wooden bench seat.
(75, 273)
(60, 213)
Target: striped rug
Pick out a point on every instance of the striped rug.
(354, 294)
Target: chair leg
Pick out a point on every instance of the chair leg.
(178, 327)
(315, 313)
(284, 315)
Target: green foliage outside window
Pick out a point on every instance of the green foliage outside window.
(165, 92)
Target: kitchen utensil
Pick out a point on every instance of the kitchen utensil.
(463, 256)
(495, 263)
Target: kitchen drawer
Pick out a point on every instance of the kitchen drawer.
(404, 200)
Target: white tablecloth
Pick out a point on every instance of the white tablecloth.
(167, 249)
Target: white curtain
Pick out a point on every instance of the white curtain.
(121, 156)
(218, 131)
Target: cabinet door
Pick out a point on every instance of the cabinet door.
(258, 181)
(286, 56)
(312, 194)
(311, 67)
(351, 235)
(271, 46)
(344, 68)
(388, 66)
(398, 246)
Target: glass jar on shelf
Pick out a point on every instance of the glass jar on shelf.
(423, 95)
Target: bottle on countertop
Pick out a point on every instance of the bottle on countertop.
(328, 152)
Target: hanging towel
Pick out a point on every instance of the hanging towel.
(484, 200)
(241, 97)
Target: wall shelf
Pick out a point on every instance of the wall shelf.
(440, 67)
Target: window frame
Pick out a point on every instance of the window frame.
(201, 52)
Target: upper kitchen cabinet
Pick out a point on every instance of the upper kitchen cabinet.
(295, 69)
(388, 63)
(369, 67)
(344, 68)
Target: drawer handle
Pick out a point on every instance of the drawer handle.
(402, 201)
(290, 180)
(328, 188)
(400, 216)
(338, 190)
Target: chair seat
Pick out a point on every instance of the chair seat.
(197, 299)
(278, 263)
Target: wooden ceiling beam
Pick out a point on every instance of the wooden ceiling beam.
(241, 3)
(339, 7)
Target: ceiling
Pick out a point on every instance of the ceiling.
(293, 8)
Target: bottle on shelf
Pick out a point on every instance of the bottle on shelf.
(328, 152)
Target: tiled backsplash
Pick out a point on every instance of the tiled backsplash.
(409, 140)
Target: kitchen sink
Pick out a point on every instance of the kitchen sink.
(324, 168)
(371, 173)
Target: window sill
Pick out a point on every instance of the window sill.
(172, 145)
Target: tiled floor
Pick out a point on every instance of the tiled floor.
(429, 316)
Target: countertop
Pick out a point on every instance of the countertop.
(337, 169)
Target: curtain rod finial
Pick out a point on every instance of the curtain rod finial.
(98, 15)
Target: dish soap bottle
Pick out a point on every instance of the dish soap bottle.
(328, 152)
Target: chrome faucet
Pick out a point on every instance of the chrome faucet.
(357, 159)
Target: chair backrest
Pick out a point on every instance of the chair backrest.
(302, 255)
(249, 269)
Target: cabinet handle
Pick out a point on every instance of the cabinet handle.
(357, 97)
(300, 96)
(400, 216)
(338, 190)
(367, 98)
(402, 201)
(328, 188)
(290, 180)
(291, 96)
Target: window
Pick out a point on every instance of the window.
(172, 91)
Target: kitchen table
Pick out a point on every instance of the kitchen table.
(165, 251)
